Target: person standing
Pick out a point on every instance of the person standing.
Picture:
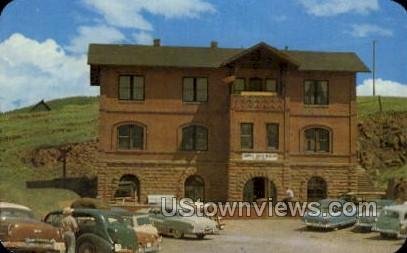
(69, 228)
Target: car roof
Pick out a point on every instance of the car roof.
(14, 206)
(91, 211)
(398, 208)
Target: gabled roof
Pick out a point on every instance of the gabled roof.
(271, 50)
(206, 57)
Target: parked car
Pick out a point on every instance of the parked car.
(100, 231)
(326, 220)
(179, 225)
(19, 231)
(366, 222)
(357, 197)
(392, 221)
(147, 235)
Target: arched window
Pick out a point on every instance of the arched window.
(130, 137)
(195, 188)
(316, 140)
(317, 189)
(194, 138)
(129, 187)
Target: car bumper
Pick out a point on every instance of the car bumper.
(36, 247)
(363, 225)
(389, 232)
(205, 231)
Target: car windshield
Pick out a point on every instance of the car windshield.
(114, 219)
(143, 220)
(390, 214)
(12, 213)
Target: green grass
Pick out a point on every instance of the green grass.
(71, 120)
(370, 105)
(74, 120)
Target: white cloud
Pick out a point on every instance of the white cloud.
(325, 8)
(128, 13)
(32, 70)
(94, 34)
(143, 38)
(383, 88)
(364, 30)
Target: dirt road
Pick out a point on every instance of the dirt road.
(281, 235)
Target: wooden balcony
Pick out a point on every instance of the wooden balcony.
(257, 101)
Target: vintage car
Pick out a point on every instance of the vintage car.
(178, 225)
(147, 235)
(20, 232)
(326, 220)
(100, 231)
(365, 222)
(392, 221)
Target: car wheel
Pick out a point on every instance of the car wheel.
(177, 234)
(200, 236)
(87, 247)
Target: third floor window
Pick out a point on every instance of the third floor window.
(195, 89)
(316, 92)
(131, 87)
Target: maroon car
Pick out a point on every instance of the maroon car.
(20, 232)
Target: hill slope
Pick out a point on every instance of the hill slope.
(74, 120)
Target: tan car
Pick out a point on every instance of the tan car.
(20, 232)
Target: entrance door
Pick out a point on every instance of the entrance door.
(259, 188)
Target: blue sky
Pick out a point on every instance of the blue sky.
(43, 43)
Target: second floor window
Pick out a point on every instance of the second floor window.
(317, 140)
(272, 136)
(195, 89)
(131, 87)
(316, 92)
(254, 84)
(194, 138)
(246, 136)
(130, 137)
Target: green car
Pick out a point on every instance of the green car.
(100, 231)
(324, 220)
(366, 223)
(180, 225)
(392, 221)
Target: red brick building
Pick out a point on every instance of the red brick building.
(225, 124)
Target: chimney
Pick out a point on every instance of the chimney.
(214, 44)
(157, 42)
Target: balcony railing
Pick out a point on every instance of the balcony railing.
(257, 101)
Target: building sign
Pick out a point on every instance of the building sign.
(259, 156)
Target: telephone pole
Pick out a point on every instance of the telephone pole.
(374, 68)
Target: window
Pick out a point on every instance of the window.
(131, 87)
(246, 136)
(238, 85)
(194, 138)
(316, 92)
(272, 136)
(317, 140)
(271, 85)
(129, 187)
(130, 137)
(195, 89)
(195, 188)
(255, 84)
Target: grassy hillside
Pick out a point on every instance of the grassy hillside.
(71, 120)
(74, 120)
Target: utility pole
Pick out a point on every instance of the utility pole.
(374, 68)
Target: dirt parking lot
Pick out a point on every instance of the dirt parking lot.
(281, 235)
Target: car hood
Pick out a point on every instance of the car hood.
(147, 229)
(30, 229)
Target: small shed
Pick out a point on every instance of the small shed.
(41, 107)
